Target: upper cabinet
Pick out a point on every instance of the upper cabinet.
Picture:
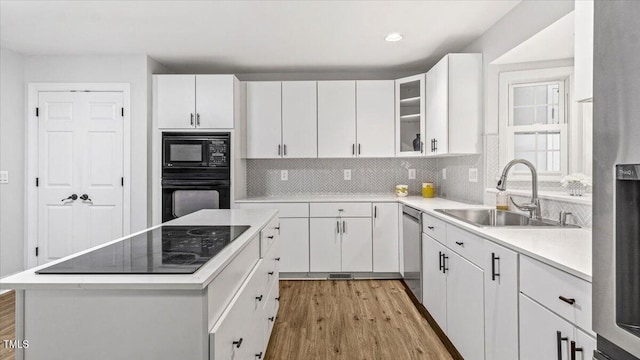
(410, 119)
(336, 119)
(195, 101)
(583, 50)
(281, 119)
(375, 108)
(453, 105)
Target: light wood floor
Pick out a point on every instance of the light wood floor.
(7, 323)
(359, 319)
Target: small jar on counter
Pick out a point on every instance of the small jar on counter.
(428, 191)
(502, 200)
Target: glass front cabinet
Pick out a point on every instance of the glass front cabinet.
(410, 116)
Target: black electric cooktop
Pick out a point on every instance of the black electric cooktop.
(164, 250)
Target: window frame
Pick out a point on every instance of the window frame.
(507, 131)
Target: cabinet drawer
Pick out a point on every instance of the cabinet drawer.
(547, 285)
(269, 235)
(466, 244)
(434, 227)
(224, 286)
(285, 210)
(340, 209)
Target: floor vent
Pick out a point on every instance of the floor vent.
(340, 276)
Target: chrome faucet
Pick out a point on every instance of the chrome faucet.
(534, 207)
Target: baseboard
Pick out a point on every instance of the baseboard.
(325, 276)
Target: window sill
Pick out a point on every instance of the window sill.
(551, 195)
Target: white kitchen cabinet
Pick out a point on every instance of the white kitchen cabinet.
(196, 101)
(356, 245)
(299, 119)
(336, 119)
(410, 116)
(294, 248)
(386, 256)
(465, 306)
(454, 105)
(325, 244)
(583, 44)
(375, 110)
(543, 333)
(434, 280)
(264, 120)
(500, 302)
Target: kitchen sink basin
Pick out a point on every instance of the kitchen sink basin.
(499, 218)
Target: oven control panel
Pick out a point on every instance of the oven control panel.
(218, 153)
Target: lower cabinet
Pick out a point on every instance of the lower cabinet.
(294, 249)
(434, 280)
(543, 334)
(340, 245)
(386, 253)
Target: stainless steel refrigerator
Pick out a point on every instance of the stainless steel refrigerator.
(616, 179)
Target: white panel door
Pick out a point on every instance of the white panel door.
(465, 306)
(386, 255)
(357, 245)
(299, 119)
(336, 119)
(434, 280)
(500, 302)
(264, 120)
(324, 244)
(294, 248)
(375, 112)
(176, 101)
(80, 166)
(437, 103)
(542, 332)
(214, 101)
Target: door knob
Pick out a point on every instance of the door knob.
(85, 197)
(72, 197)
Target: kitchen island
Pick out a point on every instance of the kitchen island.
(223, 310)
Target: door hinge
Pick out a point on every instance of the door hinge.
(122, 181)
(122, 112)
(37, 182)
(37, 112)
(37, 250)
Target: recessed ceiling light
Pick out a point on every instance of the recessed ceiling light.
(394, 37)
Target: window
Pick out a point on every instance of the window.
(534, 121)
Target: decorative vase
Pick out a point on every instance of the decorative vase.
(575, 188)
(416, 143)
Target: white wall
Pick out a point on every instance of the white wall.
(130, 69)
(12, 140)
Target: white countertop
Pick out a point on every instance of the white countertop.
(256, 219)
(568, 249)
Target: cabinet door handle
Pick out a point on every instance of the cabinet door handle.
(238, 343)
(459, 243)
(191, 119)
(344, 227)
(270, 237)
(353, 149)
(435, 145)
(569, 301)
(198, 119)
(574, 350)
(284, 148)
(358, 149)
(279, 149)
(278, 298)
(338, 226)
(259, 298)
(272, 318)
(444, 263)
(277, 259)
(430, 227)
(440, 267)
(559, 340)
(259, 355)
(270, 273)
(494, 274)
(375, 211)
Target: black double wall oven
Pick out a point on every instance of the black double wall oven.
(196, 173)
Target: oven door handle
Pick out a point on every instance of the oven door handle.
(195, 185)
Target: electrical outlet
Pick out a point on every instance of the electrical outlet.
(284, 175)
(4, 177)
(347, 174)
(444, 174)
(473, 175)
(412, 174)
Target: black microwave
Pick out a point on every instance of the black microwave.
(196, 150)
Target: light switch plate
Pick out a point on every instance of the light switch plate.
(284, 175)
(444, 174)
(473, 175)
(412, 174)
(347, 174)
(4, 177)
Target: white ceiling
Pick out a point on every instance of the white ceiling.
(554, 42)
(252, 36)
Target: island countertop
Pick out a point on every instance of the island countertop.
(254, 218)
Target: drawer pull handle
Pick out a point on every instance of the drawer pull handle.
(272, 318)
(430, 227)
(238, 343)
(259, 298)
(259, 355)
(270, 273)
(574, 350)
(278, 298)
(559, 340)
(569, 301)
(459, 243)
(270, 237)
(277, 227)
(277, 259)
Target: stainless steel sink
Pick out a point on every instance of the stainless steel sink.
(498, 218)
